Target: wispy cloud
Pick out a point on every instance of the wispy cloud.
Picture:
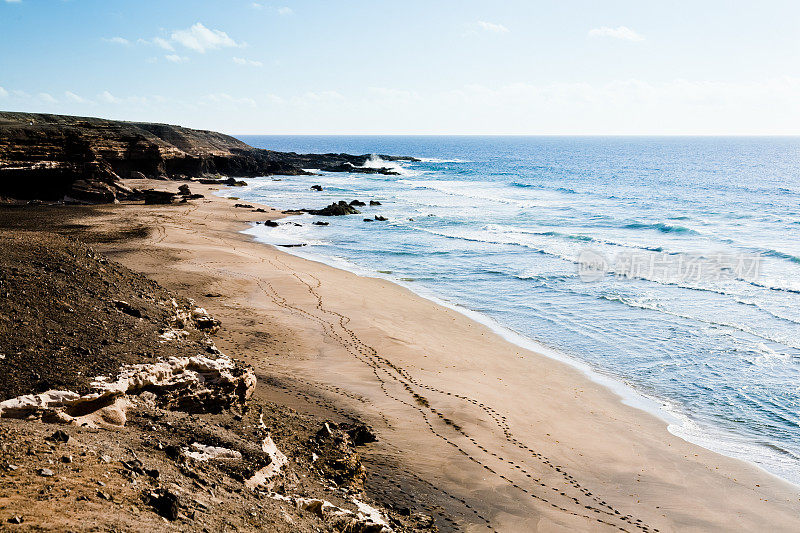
(118, 40)
(247, 62)
(47, 98)
(13, 1)
(200, 38)
(492, 27)
(285, 11)
(175, 58)
(108, 98)
(72, 97)
(162, 43)
(3, 93)
(620, 32)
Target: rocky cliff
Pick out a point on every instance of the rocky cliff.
(55, 157)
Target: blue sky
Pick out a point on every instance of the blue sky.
(428, 67)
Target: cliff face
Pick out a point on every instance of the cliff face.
(52, 157)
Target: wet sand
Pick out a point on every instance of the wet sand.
(505, 438)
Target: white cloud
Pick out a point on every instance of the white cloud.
(162, 43)
(72, 97)
(47, 98)
(199, 38)
(109, 98)
(620, 32)
(118, 40)
(175, 58)
(285, 11)
(13, 1)
(492, 27)
(256, 5)
(3, 93)
(247, 62)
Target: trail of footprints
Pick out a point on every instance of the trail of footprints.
(373, 359)
(379, 365)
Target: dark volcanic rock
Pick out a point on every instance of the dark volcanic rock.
(335, 209)
(319, 223)
(165, 503)
(271, 223)
(152, 196)
(80, 159)
(316, 187)
(374, 202)
(357, 203)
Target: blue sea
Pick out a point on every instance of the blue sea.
(670, 265)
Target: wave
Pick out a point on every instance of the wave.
(438, 160)
(744, 328)
(543, 187)
(375, 161)
(660, 226)
(781, 255)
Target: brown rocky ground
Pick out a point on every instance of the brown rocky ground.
(67, 315)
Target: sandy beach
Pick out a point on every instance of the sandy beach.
(503, 438)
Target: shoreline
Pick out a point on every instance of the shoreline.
(603, 442)
(627, 393)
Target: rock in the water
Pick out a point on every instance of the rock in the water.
(336, 209)
(368, 220)
(316, 187)
(380, 218)
(374, 202)
(320, 223)
(357, 203)
(271, 223)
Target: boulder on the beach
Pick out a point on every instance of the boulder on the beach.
(184, 190)
(335, 209)
(154, 197)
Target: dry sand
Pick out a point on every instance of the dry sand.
(509, 439)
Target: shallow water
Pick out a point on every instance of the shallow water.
(694, 301)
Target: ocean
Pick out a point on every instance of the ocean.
(669, 266)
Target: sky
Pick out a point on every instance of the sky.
(513, 67)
